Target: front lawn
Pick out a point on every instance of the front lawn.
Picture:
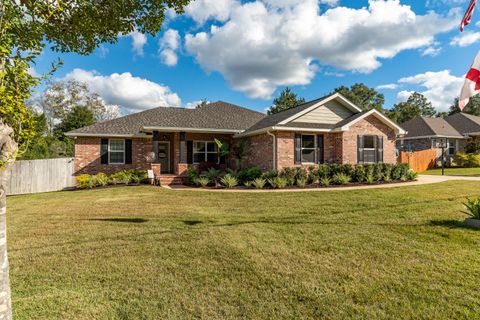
(473, 172)
(149, 253)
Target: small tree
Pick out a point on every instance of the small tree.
(362, 96)
(287, 100)
(472, 107)
(415, 106)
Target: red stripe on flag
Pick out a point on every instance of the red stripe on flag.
(474, 75)
(468, 15)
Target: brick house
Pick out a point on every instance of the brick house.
(169, 140)
(455, 131)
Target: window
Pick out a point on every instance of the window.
(452, 147)
(116, 151)
(205, 151)
(369, 149)
(309, 148)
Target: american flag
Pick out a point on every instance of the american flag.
(468, 15)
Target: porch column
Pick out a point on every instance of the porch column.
(183, 147)
(155, 140)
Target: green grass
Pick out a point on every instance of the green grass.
(473, 172)
(150, 253)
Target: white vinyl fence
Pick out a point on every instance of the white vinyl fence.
(34, 176)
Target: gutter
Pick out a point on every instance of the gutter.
(107, 135)
(274, 150)
(177, 129)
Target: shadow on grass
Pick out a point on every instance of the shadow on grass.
(126, 220)
(192, 222)
(450, 224)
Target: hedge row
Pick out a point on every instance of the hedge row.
(325, 175)
(126, 177)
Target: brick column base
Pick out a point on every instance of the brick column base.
(157, 169)
(182, 169)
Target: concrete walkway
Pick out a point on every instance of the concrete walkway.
(422, 180)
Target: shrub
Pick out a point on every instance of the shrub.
(467, 160)
(359, 175)
(202, 181)
(370, 178)
(121, 177)
(270, 174)
(323, 171)
(400, 170)
(259, 183)
(473, 147)
(412, 175)
(249, 174)
(192, 176)
(473, 208)
(278, 182)
(85, 181)
(288, 174)
(102, 179)
(387, 177)
(313, 176)
(301, 182)
(325, 181)
(248, 184)
(212, 174)
(137, 176)
(341, 178)
(229, 181)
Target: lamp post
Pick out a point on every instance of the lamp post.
(443, 145)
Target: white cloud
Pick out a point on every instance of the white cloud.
(390, 86)
(465, 39)
(31, 71)
(403, 95)
(259, 46)
(203, 10)
(193, 104)
(441, 87)
(103, 51)
(431, 51)
(138, 42)
(133, 94)
(169, 44)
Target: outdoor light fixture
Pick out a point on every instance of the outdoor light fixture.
(443, 145)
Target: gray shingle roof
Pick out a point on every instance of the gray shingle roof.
(216, 115)
(421, 127)
(464, 123)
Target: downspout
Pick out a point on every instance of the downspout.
(274, 150)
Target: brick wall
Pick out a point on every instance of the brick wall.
(369, 126)
(87, 156)
(259, 150)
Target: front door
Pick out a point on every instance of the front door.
(163, 156)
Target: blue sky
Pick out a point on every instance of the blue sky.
(247, 52)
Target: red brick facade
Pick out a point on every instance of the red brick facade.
(87, 156)
(340, 147)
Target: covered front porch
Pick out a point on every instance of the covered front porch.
(175, 152)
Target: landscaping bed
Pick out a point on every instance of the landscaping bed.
(322, 176)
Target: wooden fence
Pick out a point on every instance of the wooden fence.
(33, 176)
(420, 160)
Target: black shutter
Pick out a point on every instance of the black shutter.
(128, 151)
(189, 152)
(320, 149)
(360, 149)
(183, 153)
(298, 149)
(104, 151)
(380, 149)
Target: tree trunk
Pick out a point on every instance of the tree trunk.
(5, 298)
(8, 152)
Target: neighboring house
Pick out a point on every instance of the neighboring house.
(456, 131)
(327, 130)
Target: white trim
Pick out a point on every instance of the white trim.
(116, 151)
(206, 152)
(102, 135)
(176, 129)
(434, 137)
(379, 116)
(169, 154)
(336, 95)
(274, 128)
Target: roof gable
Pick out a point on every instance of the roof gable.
(464, 123)
(430, 127)
(215, 116)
